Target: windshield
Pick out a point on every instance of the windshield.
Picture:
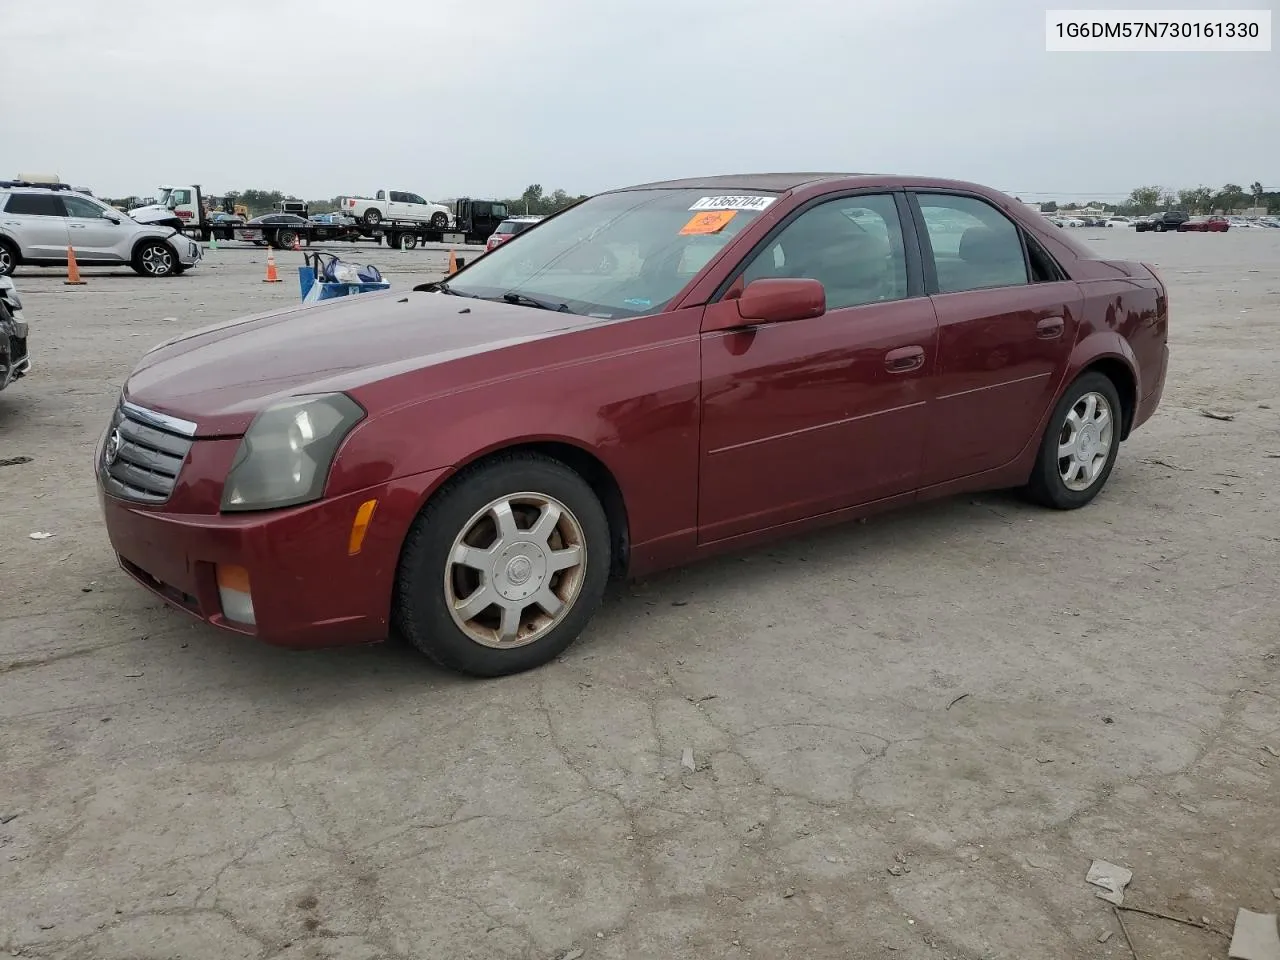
(617, 254)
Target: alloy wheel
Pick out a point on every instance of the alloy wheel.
(515, 570)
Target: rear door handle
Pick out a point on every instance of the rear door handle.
(904, 359)
(1050, 328)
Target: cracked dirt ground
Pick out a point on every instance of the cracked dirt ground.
(176, 792)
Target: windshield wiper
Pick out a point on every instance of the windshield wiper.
(524, 301)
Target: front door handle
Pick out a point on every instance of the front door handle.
(1050, 328)
(904, 359)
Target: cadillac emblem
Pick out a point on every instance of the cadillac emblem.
(112, 449)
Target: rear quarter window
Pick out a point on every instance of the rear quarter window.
(35, 205)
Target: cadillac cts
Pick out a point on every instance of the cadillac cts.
(656, 374)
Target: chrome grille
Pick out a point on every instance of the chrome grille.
(143, 454)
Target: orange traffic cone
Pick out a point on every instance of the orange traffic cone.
(297, 243)
(272, 276)
(73, 271)
(453, 263)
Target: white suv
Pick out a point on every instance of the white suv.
(39, 221)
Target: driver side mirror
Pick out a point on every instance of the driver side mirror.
(781, 300)
(114, 218)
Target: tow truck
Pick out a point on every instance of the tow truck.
(188, 210)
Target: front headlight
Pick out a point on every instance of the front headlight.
(285, 455)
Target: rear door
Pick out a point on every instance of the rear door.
(38, 222)
(1007, 319)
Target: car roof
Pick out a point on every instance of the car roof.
(772, 182)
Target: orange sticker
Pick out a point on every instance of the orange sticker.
(713, 221)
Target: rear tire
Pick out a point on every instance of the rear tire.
(1078, 449)
(523, 529)
(9, 258)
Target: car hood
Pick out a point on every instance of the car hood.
(219, 377)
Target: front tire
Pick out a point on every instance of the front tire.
(155, 259)
(504, 567)
(439, 221)
(1080, 445)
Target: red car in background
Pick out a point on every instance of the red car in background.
(654, 375)
(1205, 225)
(509, 228)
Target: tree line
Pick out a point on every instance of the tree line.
(1200, 200)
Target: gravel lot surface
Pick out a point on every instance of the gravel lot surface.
(911, 736)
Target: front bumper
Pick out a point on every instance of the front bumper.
(307, 589)
(15, 361)
(190, 253)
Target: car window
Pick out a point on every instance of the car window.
(180, 197)
(413, 198)
(617, 254)
(80, 207)
(975, 246)
(35, 205)
(852, 245)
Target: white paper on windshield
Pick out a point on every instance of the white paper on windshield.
(733, 203)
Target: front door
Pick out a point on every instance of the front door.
(1007, 318)
(93, 236)
(807, 417)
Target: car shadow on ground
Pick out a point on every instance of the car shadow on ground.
(840, 556)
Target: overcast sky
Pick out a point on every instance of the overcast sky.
(482, 97)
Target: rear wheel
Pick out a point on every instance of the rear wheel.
(1080, 445)
(503, 568)
(408, 242)
(285, 239)
(8, 258)
(154, 258)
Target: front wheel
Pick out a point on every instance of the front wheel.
(154, 258)
(372, 217)
(1159, 228)
(1079, 446)
(439, 221)
(503, 568)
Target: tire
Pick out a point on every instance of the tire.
(9, 258)
(285, 238)
(372, 217)
(1048, 486)
(430, 583)
(439, 221)
(154, 259)
(408, 242)
(1159, 228)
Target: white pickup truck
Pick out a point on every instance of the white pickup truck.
(397, 206)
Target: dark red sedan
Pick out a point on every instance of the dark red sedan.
(1205, 225)
(657, 374)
